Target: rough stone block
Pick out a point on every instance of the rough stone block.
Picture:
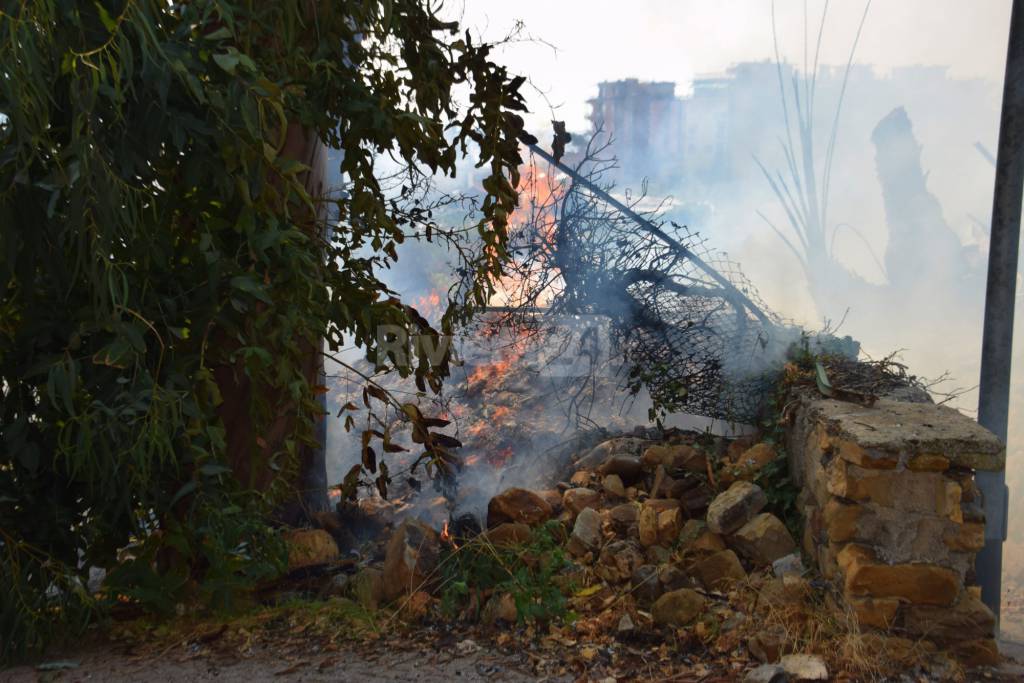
(412, 555)
(953, 496)
(719, 571)
(623, 445)
(875, 612)
(586, 532)
(766, 673)
(735, 507)
(815, 477)
(613, 487)
(809, 541)
(967, 537)
(763, 540)
(853, 452)
(828, 562)
(670, 522)
(309, 548)
(518, 505)
(677, 608)
(924, 492)
(576, 499)
(903, 537)
(928, 462)
(628, 467)
(553, 498)
(923, 584)
(678, 457)
(791, 564)
(624, 516)
(648, 525)
(581, 479)
(696, 538)
(841, 521)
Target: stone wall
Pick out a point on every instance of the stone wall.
(892, 513)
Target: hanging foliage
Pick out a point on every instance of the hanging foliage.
(159, 248)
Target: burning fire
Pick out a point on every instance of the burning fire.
(511, 352)
(429, 305)
(447, 537)
(492, 370)
(494, 386)
(538, 193)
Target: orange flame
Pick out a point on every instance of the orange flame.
(429, 304)
(536, 210)
(447, 537)
(492, 370)
(487, 373)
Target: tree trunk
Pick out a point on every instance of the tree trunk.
(249, 453)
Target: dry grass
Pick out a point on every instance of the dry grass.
(796, 617)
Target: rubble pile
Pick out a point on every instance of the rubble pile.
(664, 554)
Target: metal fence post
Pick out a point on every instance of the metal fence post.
(1000, 294)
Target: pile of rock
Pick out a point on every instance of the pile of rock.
(645, 516)
(666, 539)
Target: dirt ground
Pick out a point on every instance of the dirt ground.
(100, 665)
(424, 666)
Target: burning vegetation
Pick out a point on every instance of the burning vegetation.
(578, 435)
(565, 534)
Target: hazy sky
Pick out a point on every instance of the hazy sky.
(674, 39)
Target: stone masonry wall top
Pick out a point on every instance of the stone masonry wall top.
(892, 434)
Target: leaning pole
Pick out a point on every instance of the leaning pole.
(1000, 293)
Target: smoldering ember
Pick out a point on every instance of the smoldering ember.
(337, 344)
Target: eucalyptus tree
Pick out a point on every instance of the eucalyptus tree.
(166, 281)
